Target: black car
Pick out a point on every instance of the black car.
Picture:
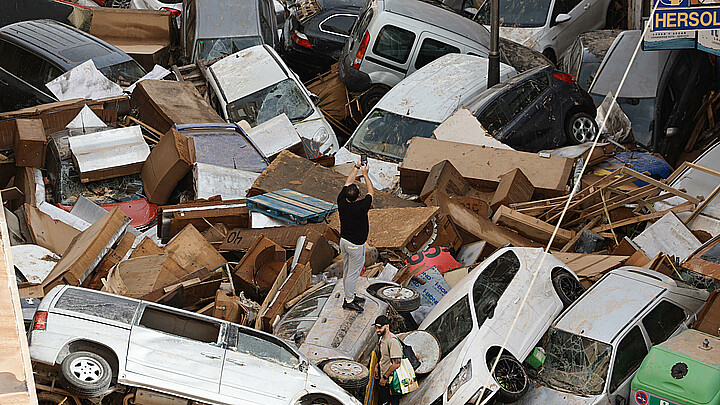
(541, 108)
(314, 40)
(32, 53)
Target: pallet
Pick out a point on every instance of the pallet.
(291, 206)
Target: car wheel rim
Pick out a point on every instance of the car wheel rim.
(583, 129)
(121, 4)
(570, 288)
(398, 293)
(510, 375)
(346, 368)
(86, 369)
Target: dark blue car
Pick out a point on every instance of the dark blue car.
(541, 108)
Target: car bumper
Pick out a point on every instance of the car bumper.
(355, 80)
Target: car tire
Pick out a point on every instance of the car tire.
(370, 98)
(403, 299)
(511, 377)
(86, 374)
(581, 128)
(118, 3)
(348, 374)
(567, 287)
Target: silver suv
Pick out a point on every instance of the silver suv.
(94, 340)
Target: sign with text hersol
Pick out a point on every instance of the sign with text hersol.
(685, 15)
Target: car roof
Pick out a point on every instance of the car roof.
(613, 302)
(438, 15)
(63, 45)
(248, 71)
(644, 74)
(226, 19)
(435, 91)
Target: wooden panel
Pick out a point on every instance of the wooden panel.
(530, 227)
(48, 232)
(514, 187)
(589, 268)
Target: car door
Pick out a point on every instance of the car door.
(526, 116)
(260, 369)
(664, 321)
(628, 355)
(389, 56)
(180, 352)
(431, 47)
(562, 35)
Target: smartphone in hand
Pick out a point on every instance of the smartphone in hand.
(363, 160)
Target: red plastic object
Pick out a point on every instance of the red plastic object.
(566, 77)
(141, 211)
(173, 11)
(433, 256)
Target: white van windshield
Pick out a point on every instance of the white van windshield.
(386, 134)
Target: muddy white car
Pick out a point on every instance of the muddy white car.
(473, 319)
(254, 85)
(101, 343)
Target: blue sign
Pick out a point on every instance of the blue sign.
(686, 19)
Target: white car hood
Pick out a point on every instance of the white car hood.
(523, 36)
(542, 395)
(384, 175)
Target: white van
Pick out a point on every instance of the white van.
(393, 38)
(255, 85)
(414, 108)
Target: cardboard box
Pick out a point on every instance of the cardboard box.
(163, 103)
(514, 187)
(168, 162)
(257, 270)
(30, 143)
(109, 154)
(142, 34)
(482, 166)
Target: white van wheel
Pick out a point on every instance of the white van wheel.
(86, 374)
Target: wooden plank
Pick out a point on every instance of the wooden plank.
(17, 384)
(615, 202)
(482, 228)
(702, 205)
(588, 267)
(684, 207)
(514, 187)
(531, 227)
(658, 184)
(285, 236)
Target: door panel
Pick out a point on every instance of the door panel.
(259, 370)
(176, 349)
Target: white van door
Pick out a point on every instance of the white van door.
(431, 47)
(388, 57)
(177, 352)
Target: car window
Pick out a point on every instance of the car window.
(339, 24)
(452, 326)
(394, 43)
(265, 349)
(492, 283)
(180, 325)
(431, 50)
(493, 118)
(662, 321)
(23, 64)
(564, 6)
(630, 353)
(51, 73)
(112, 307)
(518, 98)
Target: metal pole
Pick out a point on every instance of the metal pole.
(494, 57)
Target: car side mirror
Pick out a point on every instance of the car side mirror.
(303, 367)
(672, 131)
(562, 18)
(314, 98)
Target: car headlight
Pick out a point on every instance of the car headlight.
(463, 376)
(321, 136)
